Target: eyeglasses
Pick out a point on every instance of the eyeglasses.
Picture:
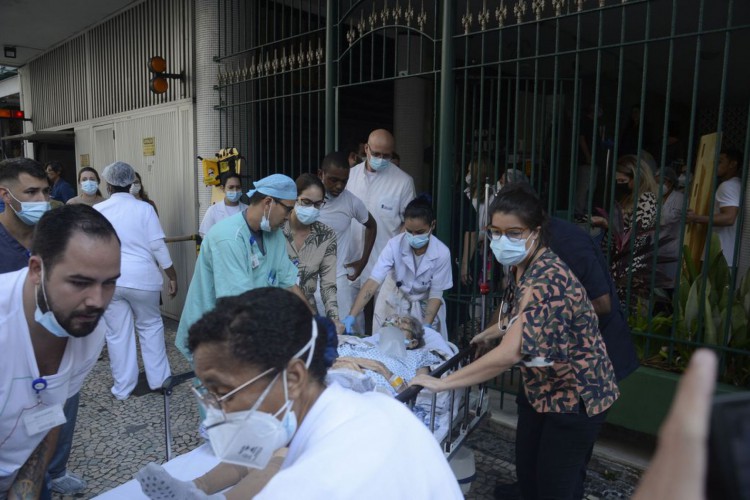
(309, 203)
(514, 234)
(210, 401)
(286, 207)
(379, 155)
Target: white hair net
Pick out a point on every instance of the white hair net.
(119, 174)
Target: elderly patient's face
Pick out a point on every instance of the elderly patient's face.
(405, 326)
(221, 373)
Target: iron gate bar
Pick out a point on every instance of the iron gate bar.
(447, 128)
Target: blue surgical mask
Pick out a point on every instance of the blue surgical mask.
(378, 163)
(265, 224)
(509, 252)
(233, 196)
(48, 319)
(307, 215)
(417, 240)
(89, 187)
(31, 211)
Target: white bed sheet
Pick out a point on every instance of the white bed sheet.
(185, 467)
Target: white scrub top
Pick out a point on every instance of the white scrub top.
(385, 194)
(363, 446)
(19, 368)
(216, 212)
(338, 214)
(137, 225)
(225, 267)
(419, 279)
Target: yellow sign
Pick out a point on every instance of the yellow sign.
(149, 146)
(85, 161)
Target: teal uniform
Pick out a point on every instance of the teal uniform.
(230, 263)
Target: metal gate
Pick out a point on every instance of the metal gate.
(508, 83)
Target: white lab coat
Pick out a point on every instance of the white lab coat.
(364, 446)
(216, 212)
(385, 194)
(412, 283)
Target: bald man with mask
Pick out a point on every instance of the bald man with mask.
(385, 190)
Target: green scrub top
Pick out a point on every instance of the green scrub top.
(225, 267)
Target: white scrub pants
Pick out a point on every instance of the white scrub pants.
(135, 309)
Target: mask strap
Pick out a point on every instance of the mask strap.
(287, 404)
(310, 344)
(44, 292)
(264, 394)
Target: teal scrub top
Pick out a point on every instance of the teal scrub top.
(225, 268)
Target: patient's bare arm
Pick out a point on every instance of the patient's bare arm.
(246, 482)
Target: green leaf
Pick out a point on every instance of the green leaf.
(684, 291)
(692, 309)
(690, 266)
(709, 326)
(715, 248)
(739, 325)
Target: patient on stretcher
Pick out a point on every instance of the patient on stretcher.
(389, 359)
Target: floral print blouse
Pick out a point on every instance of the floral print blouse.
(316, 260)
(565, 359)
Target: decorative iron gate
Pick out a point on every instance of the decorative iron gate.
(512, 82)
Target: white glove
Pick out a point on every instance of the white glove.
(158, 484)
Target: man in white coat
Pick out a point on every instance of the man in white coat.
(51, 337)
(230, 205)
(385, 190)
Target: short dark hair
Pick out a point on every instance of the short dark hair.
(306, 180)
(337, 159)
(57, 227)
(55, 165)
(419, 208)
(11, 169)
(263, 328)
(735, 155)
(520, 199)
(230, 175)
(256, 198)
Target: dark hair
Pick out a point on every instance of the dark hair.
(306, 180)
(338, 159)
(11, 169)
(420, 208)
(521, 200)
(256, 198)
(57, 227)
(264, 328)
(735, 155)
(225, 178)
(395, 156)
(96, 174)
(55, 165)
(142, 193)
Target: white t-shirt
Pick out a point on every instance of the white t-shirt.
(363, 446)
(728, 195)
(385, 194)
(19, 369)
(217, 212)
(338, 214)
(137, 225)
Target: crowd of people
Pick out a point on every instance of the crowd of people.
(278, 276)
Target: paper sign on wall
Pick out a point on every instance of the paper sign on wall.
(85, 161)
(149, 146)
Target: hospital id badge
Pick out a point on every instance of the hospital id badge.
(254, 261)
(44, 420)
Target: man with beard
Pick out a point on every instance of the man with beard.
(51, 337)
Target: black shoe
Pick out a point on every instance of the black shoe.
(507, 491)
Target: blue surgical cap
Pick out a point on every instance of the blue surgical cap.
(276, 186)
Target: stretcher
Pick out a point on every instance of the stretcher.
(451, 417)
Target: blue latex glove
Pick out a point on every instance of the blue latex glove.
(349, 324)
